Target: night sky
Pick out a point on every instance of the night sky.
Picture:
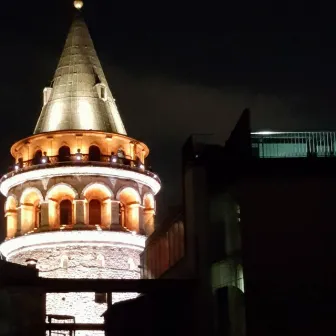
(177, 68)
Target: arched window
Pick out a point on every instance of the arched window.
(103, 92)
(94, 153)
(11, 217)
(94, 212)
(130, 203)
(30, 209)
(98, 204)
(37, 157)
(64, 154)
(66, 212)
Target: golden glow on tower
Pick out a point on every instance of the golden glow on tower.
(129, 209)
(11, 216)
(86, 115)
(97, 194)
(56, 197)
(149, 213)
(52, 142)
(79, 97)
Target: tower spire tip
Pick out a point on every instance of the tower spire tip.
(78, 4)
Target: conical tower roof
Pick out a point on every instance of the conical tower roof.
(79, 97)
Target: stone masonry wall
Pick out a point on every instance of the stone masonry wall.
(83, 262)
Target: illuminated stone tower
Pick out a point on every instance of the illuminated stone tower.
(80, 199)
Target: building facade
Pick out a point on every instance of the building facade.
(80, 200)
(258, 233)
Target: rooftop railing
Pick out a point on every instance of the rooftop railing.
(293, 144)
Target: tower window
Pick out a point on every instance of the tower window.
(103, 92)
(94, 153)
(37, 157)
(94, 212)
(66, 212)
(63, 154)
(46, 95)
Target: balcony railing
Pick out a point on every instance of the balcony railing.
(74, 158)
(81, 160)
(293, 144)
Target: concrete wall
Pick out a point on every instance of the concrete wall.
(286, 245)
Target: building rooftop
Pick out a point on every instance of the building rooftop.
(246, 144)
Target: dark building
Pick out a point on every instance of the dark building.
(22, 307)
(171, 313)
(256, 232)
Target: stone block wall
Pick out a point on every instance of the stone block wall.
(83, 262)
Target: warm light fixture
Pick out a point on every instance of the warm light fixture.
(44, 158)
(79, 155)
(266, 133)
(78, 4)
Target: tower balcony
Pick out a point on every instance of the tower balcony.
(80, 194)
(66, 180)
(80, 160)
(64, 153)
(111, 166)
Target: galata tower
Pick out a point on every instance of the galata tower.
(80, 199)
